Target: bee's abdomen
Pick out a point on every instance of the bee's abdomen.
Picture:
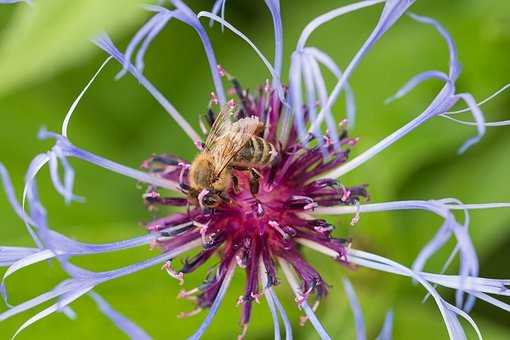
(257, 151)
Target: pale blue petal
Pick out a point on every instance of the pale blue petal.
(387, 329)
(127, 326)
(215, 306)
(361, 333)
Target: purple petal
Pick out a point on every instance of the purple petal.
(151, 27)
(283, 315)
(274, 8)
(65, 123)
(107, 45)
(216, 304)
(295, 93)
(67, 149)
(140, 55)
(393, 10)
(452, 49)
(415, 81)
(11, 197)
(186, 15)
(350, 107)
(479, 120)
(9, 255)
(15, 1)
(450, 227)
(356, 309)
(65, 299)
(387, 329)
(127, 326)
(323, 97)
(291, 278)
(270, 301)
(242, 36)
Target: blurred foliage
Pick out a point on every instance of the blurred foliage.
(46, 59)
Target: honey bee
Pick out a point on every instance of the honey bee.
(230, 144)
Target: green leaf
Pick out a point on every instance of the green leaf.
(55, 34)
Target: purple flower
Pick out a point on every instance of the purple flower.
(260, 229)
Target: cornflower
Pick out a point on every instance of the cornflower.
(261, 232)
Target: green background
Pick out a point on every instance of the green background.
(46, 59)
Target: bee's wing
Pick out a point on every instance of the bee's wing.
(233, 141)
(221, 125)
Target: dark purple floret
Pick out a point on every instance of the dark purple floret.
(253, 231)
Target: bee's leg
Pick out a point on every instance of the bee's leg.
(240, 168)
(186, 189)
(166, 159)
(225, 198)
(235, 184)
(254, 181)
(210, 116)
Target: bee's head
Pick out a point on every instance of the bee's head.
(209, 199)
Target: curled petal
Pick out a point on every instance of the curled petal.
(392, 11)
(186, 15)
(415, 81)
(65, 123)
(9, 255)
(105, 43)
(66, 149)
(242, 36)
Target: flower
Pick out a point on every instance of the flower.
(267, 215)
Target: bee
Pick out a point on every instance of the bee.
(230, 144)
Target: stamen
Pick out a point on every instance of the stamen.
(179, 276)
(183, 315)
(240, 261)
(276, 226)
(356, 217)
(231, 104)
(221, 70)
(243, 332)
(201, 196)
(240, 300)
(188, 294)
(346, 194)
(214, 99)
(199, 144)
(311, 206)
(304, 318)
(256, 296)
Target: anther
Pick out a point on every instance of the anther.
(179, 276)
(256, 296)
(345, 195)
(303, 319)
(260, 209)
(214, 99)
(188, 294)
(200, 146)
(240, 300)
(231, 104)
(311, 206)
(221, 70)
